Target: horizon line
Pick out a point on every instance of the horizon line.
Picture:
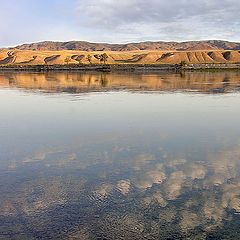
(119, 43)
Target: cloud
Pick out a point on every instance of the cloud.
(118, 21)
(162, 19)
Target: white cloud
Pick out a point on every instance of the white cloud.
(161, 19)
(118, 20)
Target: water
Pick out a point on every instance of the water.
(120, 156)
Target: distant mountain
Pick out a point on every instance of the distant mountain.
(88, 46)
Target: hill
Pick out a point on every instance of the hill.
(77, 52)
(161, 46)
(36, 57)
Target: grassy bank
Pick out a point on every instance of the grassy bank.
(92, 67)
(121, 67)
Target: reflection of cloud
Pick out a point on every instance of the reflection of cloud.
(7, 208)
(223, 166)
(156, 197)
(153, 184)
(50, 193)
(168, 214)
(212, 209)
(231, 196)
(174, 184)
(189, 220)
(38, 156)
(102, 191)
(127, 226)
(235, 204)
(124, 186)
(52, 157)
(147, 179)
(41, 155)
(12, 165)
(79, 233)
(176, 162)
(141, 160)
(196, 171)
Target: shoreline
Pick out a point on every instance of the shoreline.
(92, 67)
(120, 67)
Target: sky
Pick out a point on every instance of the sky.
(118, 21)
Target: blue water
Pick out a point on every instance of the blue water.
(125, 164)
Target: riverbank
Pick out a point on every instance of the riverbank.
(120, 67)
(212, 66)
(92, 67)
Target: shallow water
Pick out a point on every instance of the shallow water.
(120, 156)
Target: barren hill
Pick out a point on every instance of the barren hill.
(78, 52)
(161, 46)
(42, 57)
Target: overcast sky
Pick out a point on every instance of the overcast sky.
(118, 21)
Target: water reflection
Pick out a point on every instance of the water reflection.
(82, 82)
(137, 166)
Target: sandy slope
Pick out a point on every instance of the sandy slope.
(30, 57)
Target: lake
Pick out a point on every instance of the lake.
(120, 155)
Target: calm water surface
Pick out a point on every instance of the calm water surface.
(120, 156)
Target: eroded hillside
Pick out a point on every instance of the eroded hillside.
(30, 57)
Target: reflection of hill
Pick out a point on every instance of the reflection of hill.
(84, 82)
(109, 186)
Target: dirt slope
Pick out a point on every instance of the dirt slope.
(30, 57)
